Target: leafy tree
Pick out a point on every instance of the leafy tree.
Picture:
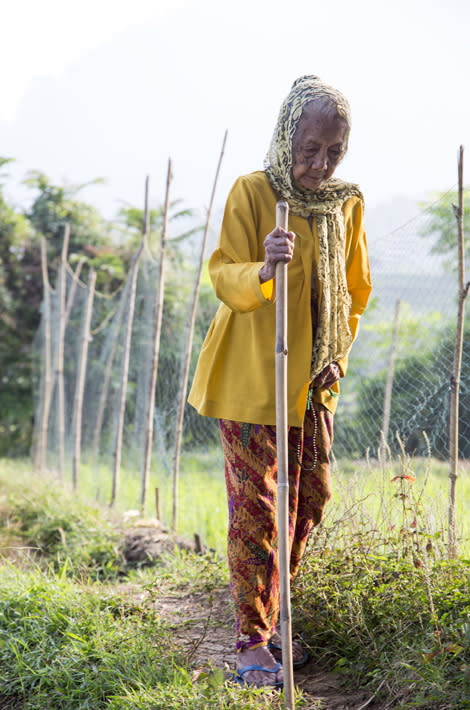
(19, 307)
(109, 248)
(90, 235)
(21, 287)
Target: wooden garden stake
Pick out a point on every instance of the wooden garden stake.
(390, 375)
(282, 213)
(457, 365)
(107, 379)
(60, 349)
(189, 344)
(157, 329)
(41, 449)
(50, 379)
(80, 386)
(121, 409)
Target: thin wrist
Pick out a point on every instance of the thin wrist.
(265, 274)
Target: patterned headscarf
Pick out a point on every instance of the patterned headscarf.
(333, 336)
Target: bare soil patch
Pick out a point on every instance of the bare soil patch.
(203, 624)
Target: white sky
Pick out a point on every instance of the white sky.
(113, 88)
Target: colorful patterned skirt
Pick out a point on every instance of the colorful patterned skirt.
(251, 473)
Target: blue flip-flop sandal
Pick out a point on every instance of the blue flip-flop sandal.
(300, 663)
(238, 675)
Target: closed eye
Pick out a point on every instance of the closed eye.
(334, 152)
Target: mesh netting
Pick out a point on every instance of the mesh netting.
(403, 268)
(407, 333)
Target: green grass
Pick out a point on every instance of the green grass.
(202, 506)
(71, 636)
(377, 599)
(364, 488)
(64, 646)
(401, 630)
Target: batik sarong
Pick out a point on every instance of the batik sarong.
(251, 477)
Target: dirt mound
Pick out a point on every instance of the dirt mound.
(147, 540)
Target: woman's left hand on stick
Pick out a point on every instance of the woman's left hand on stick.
(328, 376)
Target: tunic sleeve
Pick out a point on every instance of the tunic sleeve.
(235, 264)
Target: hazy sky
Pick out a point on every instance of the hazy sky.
(101, 88)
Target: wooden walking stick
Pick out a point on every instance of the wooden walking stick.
(282, 213)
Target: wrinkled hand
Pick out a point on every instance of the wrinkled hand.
(328, 376)
(279, 246)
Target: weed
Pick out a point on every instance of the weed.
(64, 532)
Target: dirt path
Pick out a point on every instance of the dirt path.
(203, 624)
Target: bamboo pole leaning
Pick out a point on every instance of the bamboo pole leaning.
(189, 344)
(60, 349)
(282, 212)
(390, 376)
(106, 381)
(121, 408)
(50, 381)
(53, 362)
(157, 329)
(457, 366)
(80, 384)
(41, 444)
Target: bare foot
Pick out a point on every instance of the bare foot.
(260, 656)
(298, 652)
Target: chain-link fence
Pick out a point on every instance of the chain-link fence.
(406, 340)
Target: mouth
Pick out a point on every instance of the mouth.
(314, 179)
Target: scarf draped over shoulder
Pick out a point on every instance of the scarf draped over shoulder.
(333, 337)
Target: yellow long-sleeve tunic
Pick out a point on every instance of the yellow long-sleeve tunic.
(235, 375)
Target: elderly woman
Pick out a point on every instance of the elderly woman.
(328, 289)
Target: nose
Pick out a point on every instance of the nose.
(320, 161)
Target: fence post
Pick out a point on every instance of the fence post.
(390, 375)
(189, 343)
(456, 369)
(60, 349)
(157, 329)
(44, 406)
(121, 409)
(106, 380)
(80, 386)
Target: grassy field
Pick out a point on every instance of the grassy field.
(366, 490)
(377, 599)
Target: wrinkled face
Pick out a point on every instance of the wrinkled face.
(318, 145)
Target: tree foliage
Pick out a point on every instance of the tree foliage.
(107, 246)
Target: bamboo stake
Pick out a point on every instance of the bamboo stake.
(282, 212)
(456, 369)
(189, 343)
(157, 329)
(390, 375)
(60, 351)
(106, 381)
(119, 425)
(80, 386)
(157, 504)
(73, 289)
(41, 450)
(50, 385)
